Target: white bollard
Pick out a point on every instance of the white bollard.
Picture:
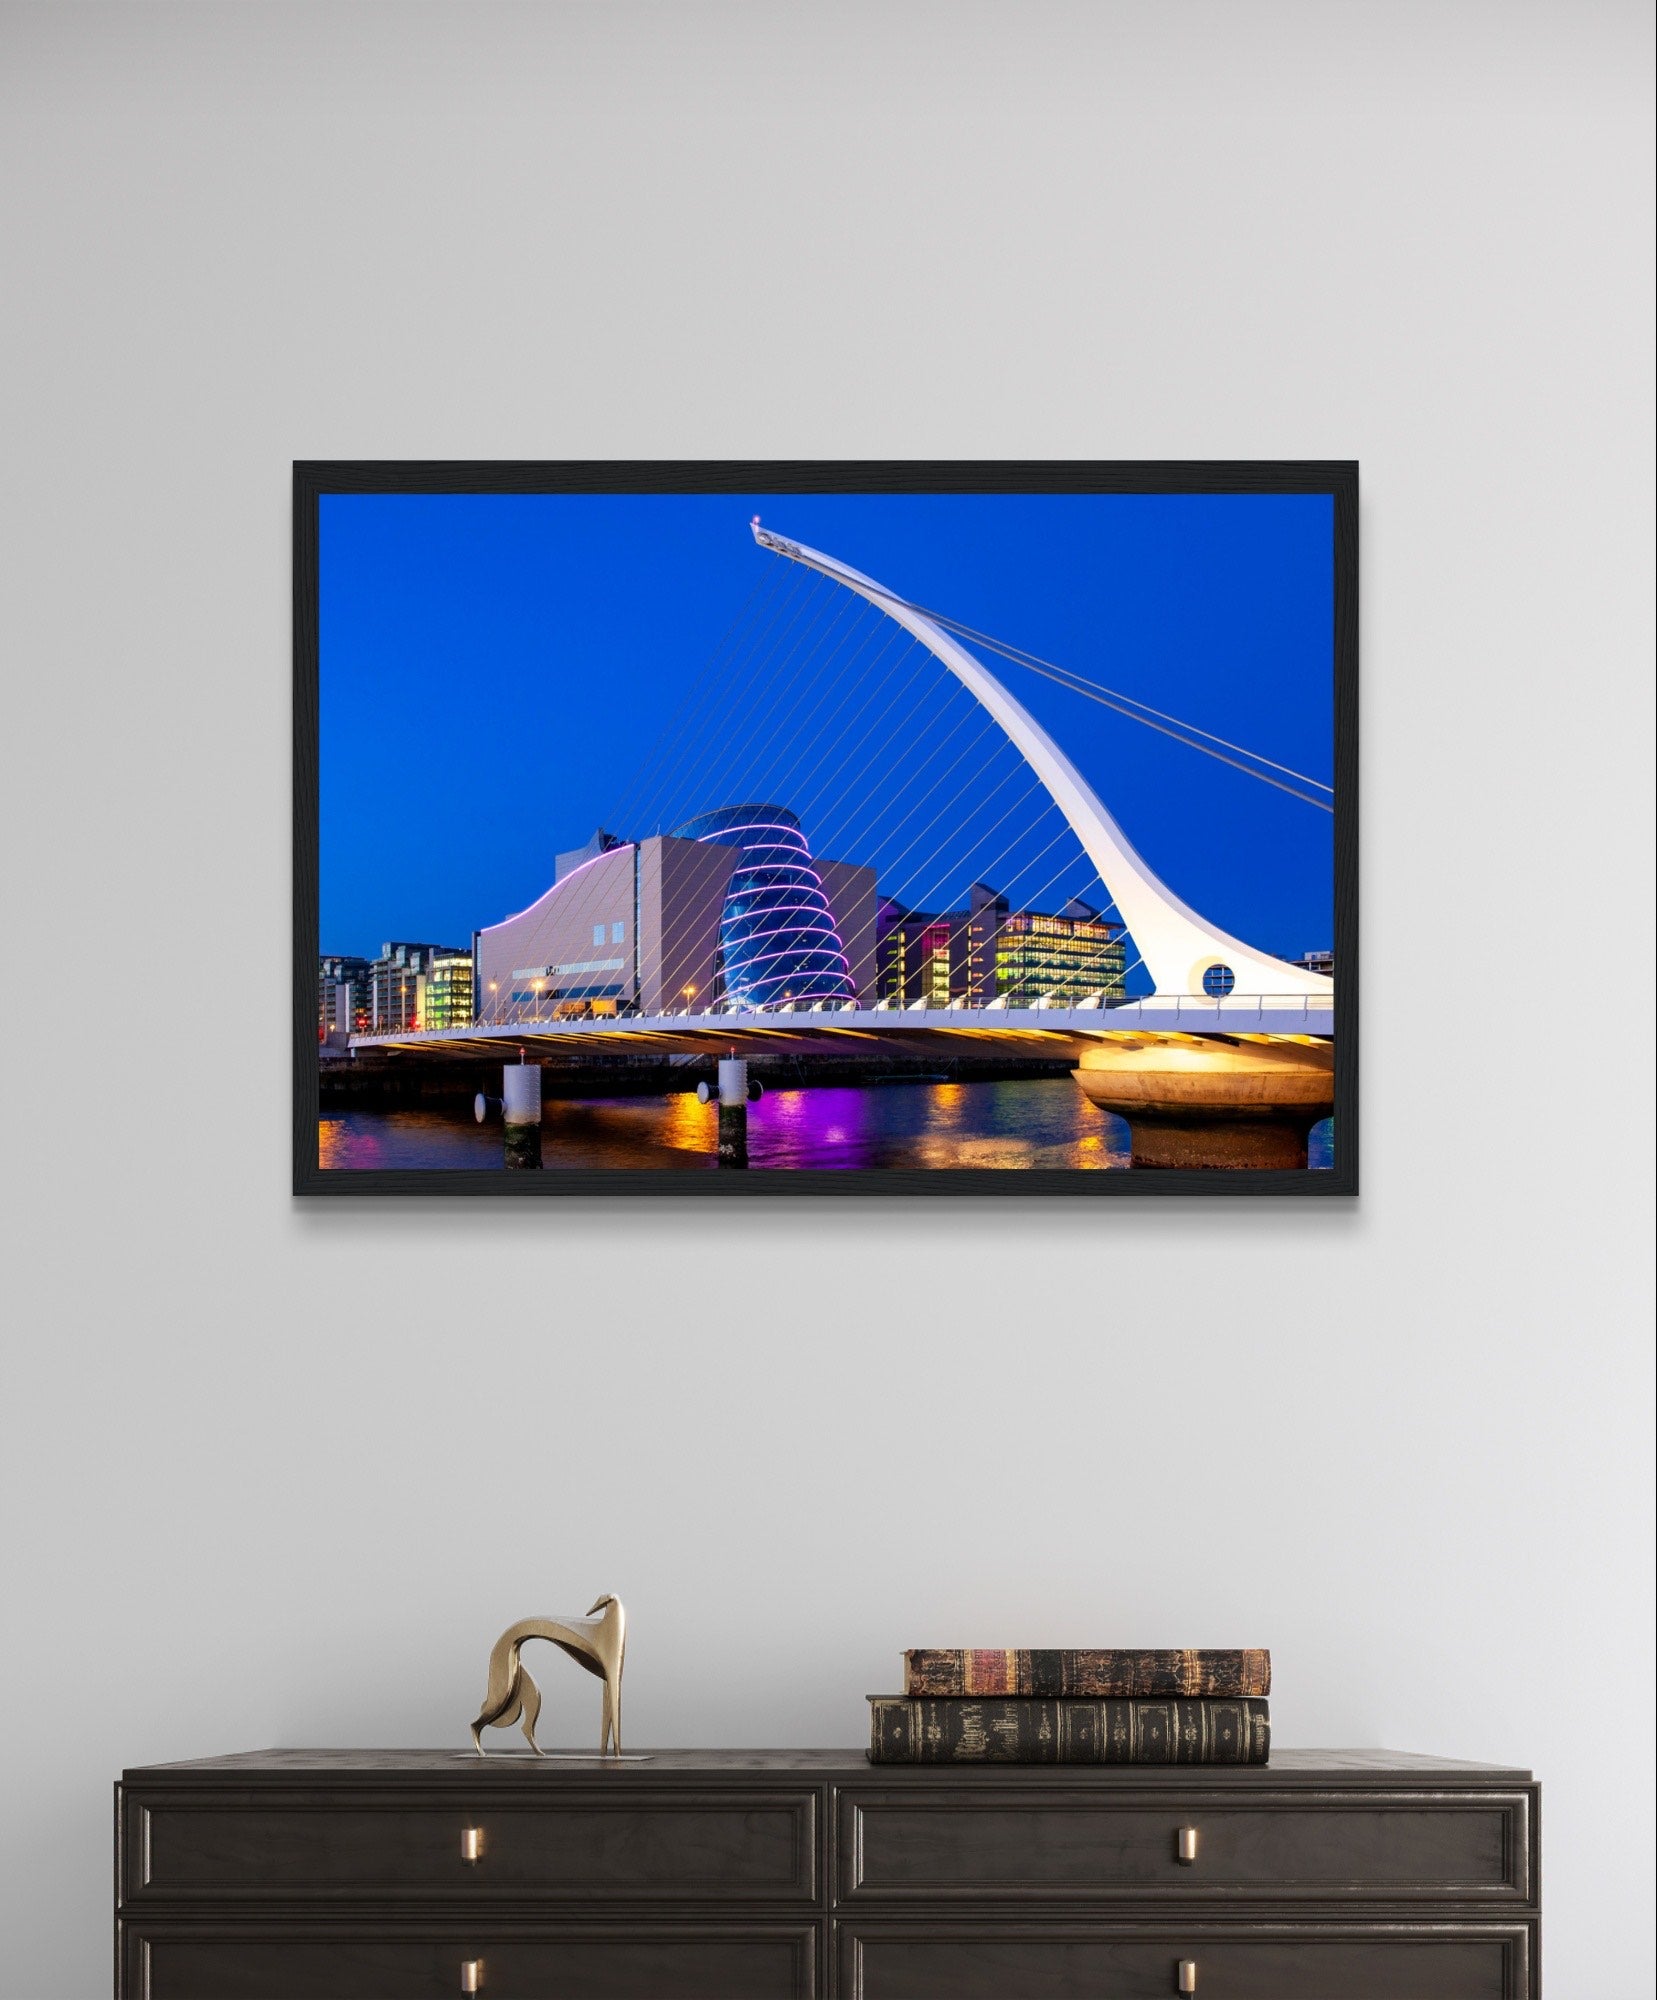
(521, 1094)
(521, 1108)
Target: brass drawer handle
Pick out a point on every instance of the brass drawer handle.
(471, 1843)
(1188, 1975)
(1187, 1845)
(471, 1975)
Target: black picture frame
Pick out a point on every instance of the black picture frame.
(312, 479)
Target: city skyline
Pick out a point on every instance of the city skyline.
(494, 668)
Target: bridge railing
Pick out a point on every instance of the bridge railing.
(1304, 1004)
(1174, 1007)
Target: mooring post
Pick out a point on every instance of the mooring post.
(733, 1111)
(521, 1109)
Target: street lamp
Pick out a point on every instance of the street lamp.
(690, 995)
(494, 987)
(537, 999)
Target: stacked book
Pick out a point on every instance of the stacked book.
(1084, 1707)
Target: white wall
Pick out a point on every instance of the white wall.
(279, 1474)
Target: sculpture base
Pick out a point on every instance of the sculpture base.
(1212, 1101)
(554, 1756)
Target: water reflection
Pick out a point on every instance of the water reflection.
(1043, 1122)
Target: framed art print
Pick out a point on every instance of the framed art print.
(769, 828)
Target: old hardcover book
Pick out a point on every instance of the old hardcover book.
(1016, 1730)
(1111, 1671)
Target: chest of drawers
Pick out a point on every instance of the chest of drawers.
(813, 1875)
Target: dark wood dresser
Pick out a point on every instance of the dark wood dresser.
(775, 1875)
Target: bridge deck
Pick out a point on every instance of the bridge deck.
(1059, 1032)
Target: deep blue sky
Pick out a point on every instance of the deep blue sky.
(497, 672)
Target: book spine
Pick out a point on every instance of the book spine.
(1032, 1731)
(939, 1671)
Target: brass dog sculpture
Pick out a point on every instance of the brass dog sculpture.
(598, 1644)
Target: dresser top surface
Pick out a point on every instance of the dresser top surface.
(1344, 1769)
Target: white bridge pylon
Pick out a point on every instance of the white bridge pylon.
(1177, 945)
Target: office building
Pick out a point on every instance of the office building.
(892, 928)
(1063, 958)
(448, 994)
(991, 952)
(915, 957)
(397, 985)
(342, 996)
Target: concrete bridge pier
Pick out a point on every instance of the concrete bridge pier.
(521, 1109)
(1213, 1100)
(733, 1112)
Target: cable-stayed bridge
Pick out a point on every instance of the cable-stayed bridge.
(1227, 1033)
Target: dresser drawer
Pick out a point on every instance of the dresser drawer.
(592, 1848)
(1273, 1962)
(978, 1844)
(300, 1960)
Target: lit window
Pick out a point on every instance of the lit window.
(1218, 980)
(617, 932)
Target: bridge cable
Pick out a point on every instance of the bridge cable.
(843, 840)
(785, 794)
(769, 706)
(830, 644)
(810, 777)
(1060, 675)
(1037, 663)
(1123, 704)
(983, 869)
(664, 763)
(810, 780)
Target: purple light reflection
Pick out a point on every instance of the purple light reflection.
(815, 1128)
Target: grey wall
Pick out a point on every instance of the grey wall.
(682, 890)
(575, 926)
(851, 892)
(279, 1475)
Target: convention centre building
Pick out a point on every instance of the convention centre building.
(730, 909)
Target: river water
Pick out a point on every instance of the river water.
(1044, 1122)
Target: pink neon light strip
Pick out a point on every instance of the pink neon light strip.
(775, 868)
(757, 896)
(791, 951)
(818, 940)
(765, 957)
(547, 895)
(816, 910)
(757, 826)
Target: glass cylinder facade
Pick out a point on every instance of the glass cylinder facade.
(777, 937)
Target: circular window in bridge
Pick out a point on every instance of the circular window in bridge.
(1218, 980)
